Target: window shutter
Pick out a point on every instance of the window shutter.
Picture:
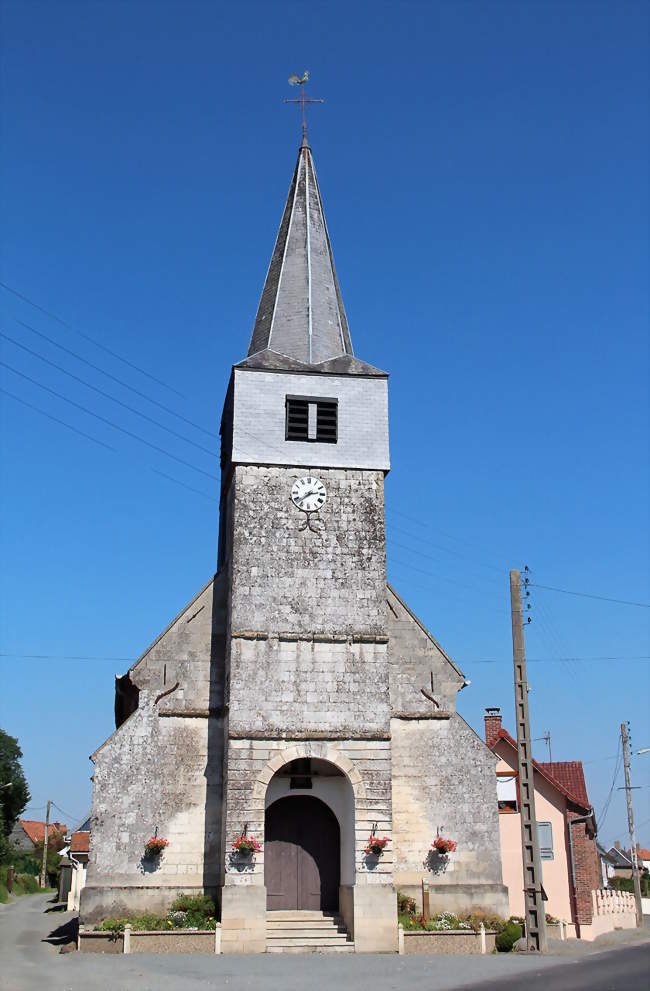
(297, 419)
(545, 840)
(326, 425)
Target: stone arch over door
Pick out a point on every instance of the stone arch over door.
(299, 750)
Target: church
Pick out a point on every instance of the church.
(293, 733)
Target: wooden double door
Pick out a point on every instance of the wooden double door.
(302, 855)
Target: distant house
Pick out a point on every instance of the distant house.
(643, 857)
(73, 865)
(606, 864)
(566, 828)
(621, 862)
(28, 832)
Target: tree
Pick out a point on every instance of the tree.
(13, 799)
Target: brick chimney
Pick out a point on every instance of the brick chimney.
(492, 724)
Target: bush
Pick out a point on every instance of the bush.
(405, 905)
(508, 937)
(187, 912)
(202, 904)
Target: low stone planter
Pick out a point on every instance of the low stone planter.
(97, 942)
(447, 941)
(154, 941)
(176, 941)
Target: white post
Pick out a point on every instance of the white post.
(483, 940)
(400, 938)
(217, 938)
(127, 938)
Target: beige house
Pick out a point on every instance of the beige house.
(566, 828)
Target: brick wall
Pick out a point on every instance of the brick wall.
(586, 867)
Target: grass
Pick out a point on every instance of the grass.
(24, 884)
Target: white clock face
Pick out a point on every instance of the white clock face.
(308, 494)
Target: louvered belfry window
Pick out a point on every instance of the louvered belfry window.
(311, 419)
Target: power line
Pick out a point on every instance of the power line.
(92, 340)
(491, 660)
(69, 815)
(56, 420)
(603, 815)
(114, 378)
(110, 423)
(589, 595)
(106, 395)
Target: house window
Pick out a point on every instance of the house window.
(311, 419)
(507, 792)
(545, 840)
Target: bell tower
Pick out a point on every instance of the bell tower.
(304, 442)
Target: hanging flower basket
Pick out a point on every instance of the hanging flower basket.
(246, 845)
(375, 845)
(444, 846)
(155, 846)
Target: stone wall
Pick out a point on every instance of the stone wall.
(416, 657)
(162, 770)
(444, 780)
(286, 577)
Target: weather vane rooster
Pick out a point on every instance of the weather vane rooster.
(296, 80)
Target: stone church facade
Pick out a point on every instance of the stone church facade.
(296, 698)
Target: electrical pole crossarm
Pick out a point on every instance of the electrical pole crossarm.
(532, 868)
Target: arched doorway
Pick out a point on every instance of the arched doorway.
(302, 854)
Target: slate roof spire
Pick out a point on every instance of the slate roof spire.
(301, 314)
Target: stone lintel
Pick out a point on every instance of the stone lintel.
(437, 714)
(317, 637)
(311, 735)
(218, 712)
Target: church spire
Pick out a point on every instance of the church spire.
(301, 313)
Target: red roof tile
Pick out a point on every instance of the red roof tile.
(571, 784)
(79, 842)
(36, 830)
(570, 774)
(643, 854)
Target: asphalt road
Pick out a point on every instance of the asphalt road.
(30, 939)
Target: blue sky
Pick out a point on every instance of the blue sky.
(484, 173)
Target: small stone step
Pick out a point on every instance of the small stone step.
(313, 925)
(312, 948)
(292, 915)
(291, 935)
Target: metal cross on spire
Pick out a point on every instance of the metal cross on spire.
(303, 101)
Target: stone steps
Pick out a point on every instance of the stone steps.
(306, 932)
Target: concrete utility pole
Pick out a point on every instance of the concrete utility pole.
(535, 912)
(44, 864)
(630, 826)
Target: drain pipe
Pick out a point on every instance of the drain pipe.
(573, 822)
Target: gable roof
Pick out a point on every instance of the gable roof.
(36, 830)
(562, 783)
(619, 858)
(643, 854)
(301, 313)
(570, 774)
